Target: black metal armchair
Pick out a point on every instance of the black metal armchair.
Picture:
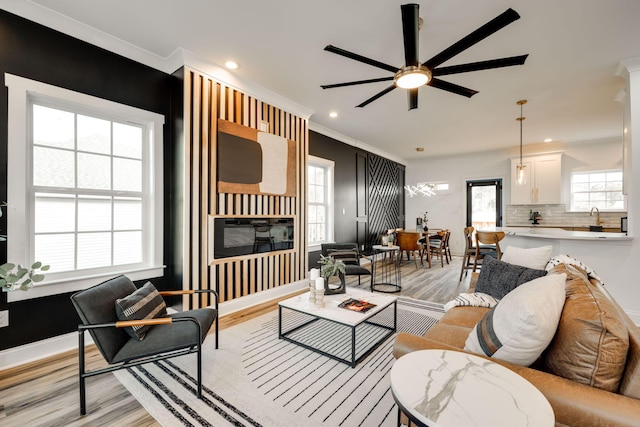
(175, 335)
(349, 254)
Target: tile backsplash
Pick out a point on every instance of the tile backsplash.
(557, 216)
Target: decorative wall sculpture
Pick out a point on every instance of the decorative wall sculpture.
(254, 162)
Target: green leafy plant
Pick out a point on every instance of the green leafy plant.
(16, 277)
(330, 266)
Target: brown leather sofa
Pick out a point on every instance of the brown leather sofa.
(574, 403)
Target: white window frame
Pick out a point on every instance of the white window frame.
(328, 166)
(20, 223)
(589, 172)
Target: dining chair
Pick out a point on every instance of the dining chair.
(408, 243)
(447, 248)
(469, 251)
(487, 243)
(438, 247)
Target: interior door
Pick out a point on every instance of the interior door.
(484, 203)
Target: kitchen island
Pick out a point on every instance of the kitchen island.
(561, 234)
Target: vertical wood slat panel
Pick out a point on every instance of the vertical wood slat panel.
(210, 100)
(194, 214)
(206, 132)
(187, 105)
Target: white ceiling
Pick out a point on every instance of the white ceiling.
(574, 46)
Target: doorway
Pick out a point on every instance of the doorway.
(484, 203)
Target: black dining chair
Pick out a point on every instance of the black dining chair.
(350, 255)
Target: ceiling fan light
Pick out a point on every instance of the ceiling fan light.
(412, 77)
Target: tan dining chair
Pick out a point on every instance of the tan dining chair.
(487, 244)
(408, 243)
(469, 255)
(438, 247)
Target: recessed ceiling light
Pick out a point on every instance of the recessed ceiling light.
(420, 149)
(333, 114)
(548, 140)
(232, 65)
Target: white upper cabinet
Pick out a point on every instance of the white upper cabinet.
(543, 180)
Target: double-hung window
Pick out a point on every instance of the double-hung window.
(600, 189)
(320, 202)
(85, 186)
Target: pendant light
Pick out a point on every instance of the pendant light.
(521, 178)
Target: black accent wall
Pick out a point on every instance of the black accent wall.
(368, 187)
(36, 52)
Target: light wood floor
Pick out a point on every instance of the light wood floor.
(45, 393)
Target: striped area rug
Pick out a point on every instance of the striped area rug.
(256, 379)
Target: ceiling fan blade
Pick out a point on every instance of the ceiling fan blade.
(497, 23)
(410, 33)
(360, 58)
(451, 87)
(413, 98)
(481, 65)
(376, 96)
(357, 82)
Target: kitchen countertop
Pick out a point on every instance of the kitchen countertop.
(559, 233)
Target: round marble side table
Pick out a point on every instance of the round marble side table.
(449, 388)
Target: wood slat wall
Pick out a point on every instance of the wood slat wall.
(206, 101)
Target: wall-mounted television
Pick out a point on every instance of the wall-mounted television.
(251, 235)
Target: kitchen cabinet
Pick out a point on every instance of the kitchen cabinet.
(543, 180)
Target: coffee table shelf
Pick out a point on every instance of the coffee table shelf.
(338, 333)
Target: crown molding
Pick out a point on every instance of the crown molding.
(353, 142)
(182, 57)
(177, 59)
(631, 64)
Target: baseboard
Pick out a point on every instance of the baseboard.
(51, 346)
(35, 351)
(242, 303)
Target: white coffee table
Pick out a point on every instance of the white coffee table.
(450, 388)
(352, 335)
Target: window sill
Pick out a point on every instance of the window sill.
(46, 288)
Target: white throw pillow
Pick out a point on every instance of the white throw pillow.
(536, 258)
(522, 325)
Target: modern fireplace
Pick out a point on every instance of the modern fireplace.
(250, 235)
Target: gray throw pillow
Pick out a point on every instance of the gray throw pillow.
(498, 278)
(144, 303)
(344, 255)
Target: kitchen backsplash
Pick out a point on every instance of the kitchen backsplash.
(557, 216)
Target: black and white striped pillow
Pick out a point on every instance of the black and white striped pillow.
(144, 303)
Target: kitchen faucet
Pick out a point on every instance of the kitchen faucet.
(598, 220)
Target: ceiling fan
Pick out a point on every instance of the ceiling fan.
(415, 74)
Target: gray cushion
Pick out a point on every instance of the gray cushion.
(144, 303)
(95, 306)
(165, 338)
(348, 257)
(498, 278)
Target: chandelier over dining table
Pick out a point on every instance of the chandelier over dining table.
(420, 189)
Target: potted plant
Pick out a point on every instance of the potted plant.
(329, 267)
(425, 221)
(16, 277)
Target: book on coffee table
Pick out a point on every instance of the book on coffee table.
(356, 305)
